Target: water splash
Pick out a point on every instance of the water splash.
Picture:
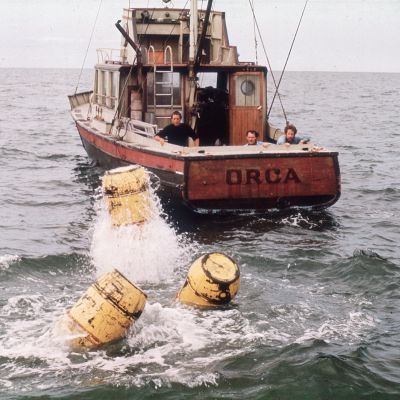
(352, 328)
(148, 252)
(298, 220)
(368, 253)
(8, 259)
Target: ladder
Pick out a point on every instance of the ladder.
(163, 84)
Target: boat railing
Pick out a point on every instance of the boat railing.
(151, 51)
(104, 100)
(155, 57)
(78, 99)
(111, 56)
(139, 127)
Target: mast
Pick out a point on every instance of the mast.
(195, 49)
(193, 30)
(203, 35)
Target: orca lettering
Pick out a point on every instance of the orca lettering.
(233, 176)
(253, 175)
(292, 176)
(270, 176)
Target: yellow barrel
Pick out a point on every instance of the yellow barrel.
(106, 311)
(212, 280)
(126, 192)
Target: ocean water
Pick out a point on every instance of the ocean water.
(317, 314)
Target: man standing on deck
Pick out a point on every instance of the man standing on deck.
(177, 132)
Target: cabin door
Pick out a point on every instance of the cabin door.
(247, 105)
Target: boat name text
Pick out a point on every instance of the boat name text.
(270, 175)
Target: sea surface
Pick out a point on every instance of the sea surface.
(317, 315)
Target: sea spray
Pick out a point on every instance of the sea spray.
(7, 259)
(146, 252)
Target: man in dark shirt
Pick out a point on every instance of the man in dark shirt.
(177, 132)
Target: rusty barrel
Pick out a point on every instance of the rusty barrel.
(212, 280)
(106, 311)
(126, 191)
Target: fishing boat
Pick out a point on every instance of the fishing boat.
(164, 57)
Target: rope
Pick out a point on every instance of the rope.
(87, 50)
(266, 56)
(287, 59)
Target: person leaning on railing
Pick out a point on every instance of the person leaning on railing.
(252, 139)
(177, 132)
(290, 136)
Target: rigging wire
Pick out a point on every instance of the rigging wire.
(255, 38)
(287, 59)
(266, 56)
(170, 34)
(87, 50)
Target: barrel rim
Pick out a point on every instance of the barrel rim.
(203, 260)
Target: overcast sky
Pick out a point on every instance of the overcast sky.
(335, 35)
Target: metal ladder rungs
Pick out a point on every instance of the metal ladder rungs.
(167, 73)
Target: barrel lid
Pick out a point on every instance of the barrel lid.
(121, 170)
(125, 180)
(219, 267)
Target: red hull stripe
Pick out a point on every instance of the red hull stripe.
(131, 155)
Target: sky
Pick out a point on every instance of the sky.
(335, 35)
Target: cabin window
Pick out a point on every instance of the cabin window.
(167, 89)
(96, 86)
(247, 90)
(114, 88)
(109, 88)
(100, 87)
(106, 88)
(247, 87)
(103, 87)
(208, 79)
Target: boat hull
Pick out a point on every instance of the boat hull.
(229, 182)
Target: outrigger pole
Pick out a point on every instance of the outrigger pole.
(130, 41)
(138, 62)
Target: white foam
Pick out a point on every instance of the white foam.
(298, 221)
(23, 304)
(149, 252)
(351, 328)
(7, 259)
(168, 344)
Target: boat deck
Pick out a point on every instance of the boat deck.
(147, 142)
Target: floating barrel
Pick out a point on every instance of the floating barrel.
(126, 191)
(106, 311)
(212, 280)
